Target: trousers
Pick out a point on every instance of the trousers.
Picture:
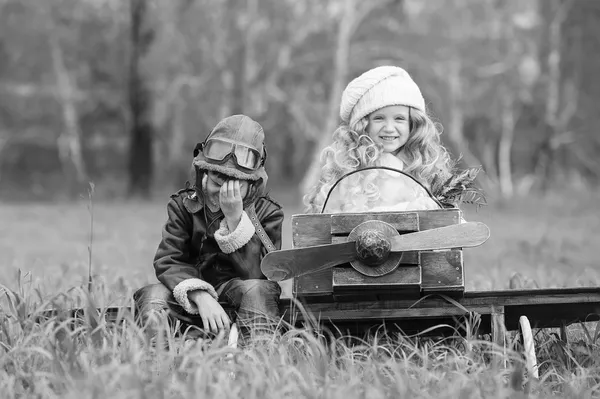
(255, 304)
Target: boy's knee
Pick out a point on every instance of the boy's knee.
(262, 288)
(153, 295)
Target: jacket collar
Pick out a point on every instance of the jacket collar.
(193, 202)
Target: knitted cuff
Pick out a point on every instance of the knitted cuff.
(232, 241)
(180, 292)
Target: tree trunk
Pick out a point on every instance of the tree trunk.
(505, 145)
(69, 141)
(237, 56)
(176, 145)
(3, 145)
(555, 13)
(340, 69)
(140, 102)
(457, 120)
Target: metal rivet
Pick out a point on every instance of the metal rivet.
(457, 268)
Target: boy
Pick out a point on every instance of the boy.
(217, 232)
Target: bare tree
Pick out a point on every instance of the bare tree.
(141, 165)
(562, 94)
(352, 16)
(69, 141)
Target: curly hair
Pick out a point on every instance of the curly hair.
(424, 157)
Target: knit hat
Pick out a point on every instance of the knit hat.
(234, 129)
(378, 88)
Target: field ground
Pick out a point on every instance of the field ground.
(551, 241)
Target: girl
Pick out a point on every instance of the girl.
(385, 123)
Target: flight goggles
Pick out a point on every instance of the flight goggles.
(219, 151)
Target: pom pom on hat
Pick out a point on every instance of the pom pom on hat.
(378, 88)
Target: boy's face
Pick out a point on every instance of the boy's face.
(215, 181)
(390, 127)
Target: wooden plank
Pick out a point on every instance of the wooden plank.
(402, 279)
(356, 296)
(571, 292)
(438, 218)
(454, 291)
(315, 229)
(404, 222)
(394, 314)
(534, 298)
(498, 330)
(442, 271)
(543, 310)
(319, 283)
(308, 230)
(311, 229)
(403, 303)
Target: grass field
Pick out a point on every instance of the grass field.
(551, 241)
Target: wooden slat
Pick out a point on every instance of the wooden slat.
(565, 294)
(404, 278)
(438, 218)
(315, 229)
(454, 291)
(442, 270)
(498, 329)
(311, 229)
(308, 230)
(428, 219)
(314, 284)
(395, 314)
(401, 303)
(404, 222)
(547, 308)
(498, 298)
(538, 299)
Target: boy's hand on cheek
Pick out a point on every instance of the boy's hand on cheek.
(231, 203)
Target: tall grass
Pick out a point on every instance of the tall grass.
(90, 357)
(63, 356)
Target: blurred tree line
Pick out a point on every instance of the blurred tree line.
(119, 91)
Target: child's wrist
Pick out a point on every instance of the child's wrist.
(233, 222)
(196, 295)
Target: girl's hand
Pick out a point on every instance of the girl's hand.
(231, 204)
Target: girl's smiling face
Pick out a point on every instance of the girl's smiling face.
(390, 127)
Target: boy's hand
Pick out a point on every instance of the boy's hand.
(230, 200)
(213, 315)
